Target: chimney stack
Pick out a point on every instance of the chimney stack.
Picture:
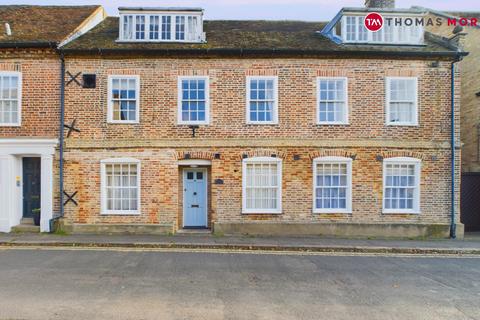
(8, 30)
(382, 4)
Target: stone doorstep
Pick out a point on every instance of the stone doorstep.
(26, 228)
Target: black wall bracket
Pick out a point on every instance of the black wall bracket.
(194, 128)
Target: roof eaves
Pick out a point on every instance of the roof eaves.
(28, 44)
(262, 52)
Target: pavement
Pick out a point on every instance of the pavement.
(469, 246)
(99, 283)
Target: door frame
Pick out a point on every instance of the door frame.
(11, 152)
(205, 174)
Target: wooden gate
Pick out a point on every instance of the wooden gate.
(470, 201)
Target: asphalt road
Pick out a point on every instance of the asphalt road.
(75, 284)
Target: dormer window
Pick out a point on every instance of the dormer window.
(396, 30)
(161, 25)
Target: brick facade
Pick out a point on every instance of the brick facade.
(470, 69)
(158, 142)
(40, 70)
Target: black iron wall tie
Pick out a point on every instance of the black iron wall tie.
(71, 127)
(70, 198)
(73, 78)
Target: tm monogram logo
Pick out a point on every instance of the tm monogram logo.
(374, 22)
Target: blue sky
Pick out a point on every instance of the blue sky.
(313, 10)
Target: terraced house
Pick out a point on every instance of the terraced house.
(261, 127)
(30, 78)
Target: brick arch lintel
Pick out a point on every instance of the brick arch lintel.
(332, 153)
(263, 153)
(203, 155)
(403, 153)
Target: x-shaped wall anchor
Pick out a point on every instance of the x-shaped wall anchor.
(70, 198)
(71, 128)
(73, 78)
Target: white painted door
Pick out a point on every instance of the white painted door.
(195, 198)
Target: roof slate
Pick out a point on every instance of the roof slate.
(240, 35)
(41, 24)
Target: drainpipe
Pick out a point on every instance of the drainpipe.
(453, 226)
(62, 121)
(61, 136)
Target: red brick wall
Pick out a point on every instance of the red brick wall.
(297, 99)
(157, 141)
(40, 92)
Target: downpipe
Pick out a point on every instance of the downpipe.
(61, 140)
(453, 226)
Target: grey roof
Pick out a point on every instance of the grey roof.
(246, 37)
(40, 25)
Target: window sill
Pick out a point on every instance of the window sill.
(120, 213)
(400, 124)
(392, 211)
(317, 211)
(262, 123)
(10, 124)
(123, 122)
(253, 212)
(326, 123)
(193, 123)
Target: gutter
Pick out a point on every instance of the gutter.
(26, 44)
(259, 52)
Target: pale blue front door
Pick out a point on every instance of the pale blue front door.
(195, 198)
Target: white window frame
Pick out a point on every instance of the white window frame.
(180, 97)
(266, 160)
(345, 111)
(275, 103)
(416, 199)
(335, 160)
(412, 38)
(110, 97)
(388, 81)
(19, 98)
(103, 185)
(193, 32)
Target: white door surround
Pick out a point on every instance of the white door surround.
(11, 153)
